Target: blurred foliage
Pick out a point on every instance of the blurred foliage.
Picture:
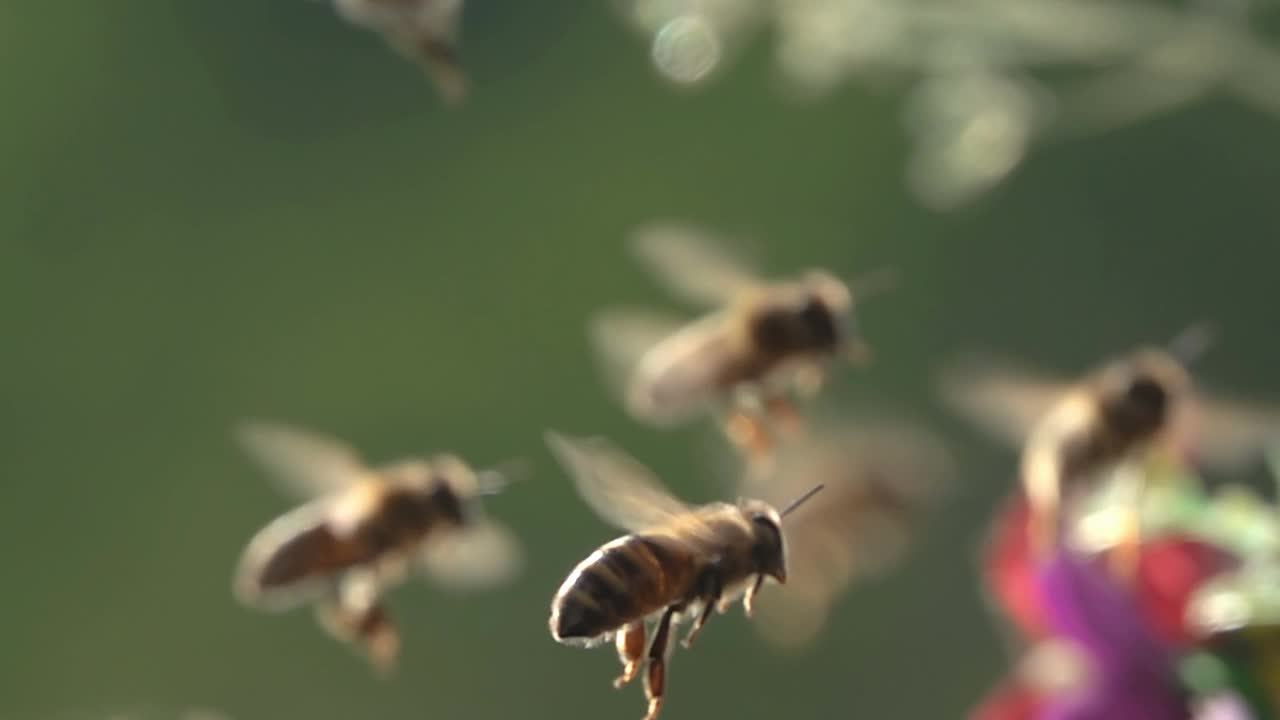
(217, 210)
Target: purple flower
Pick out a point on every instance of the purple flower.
(1132, 674)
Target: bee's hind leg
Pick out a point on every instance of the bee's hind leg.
(655, 681)
(748, 432)
(630, 642)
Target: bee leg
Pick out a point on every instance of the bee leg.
(356, 615)
(380, 638)
(1127, 553)
(749, 598)
(711, 588)
(784, 414)
(630, 642)
(655, 681)
(1042, 483)
(748, 433)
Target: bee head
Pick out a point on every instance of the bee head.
(1139, 392)
(809, 316)
(768, 553)
(827, 311)
(454, 489)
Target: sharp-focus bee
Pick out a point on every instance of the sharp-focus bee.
(679, 562)
(762, 342)
(1130, 411)
(879, 480)
(363, 530)
(425, 31)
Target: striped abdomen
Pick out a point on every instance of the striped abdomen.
(360, 530)
(626, 580)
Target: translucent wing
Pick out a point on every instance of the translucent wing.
(482, 556)
(1232, 433)
(691, 264)
(1002, 398)
(617, 487)
(621, 336)
(304, 464)
(879, 479)
(679, 376)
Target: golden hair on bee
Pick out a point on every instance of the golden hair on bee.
(760, 345)
(677, 562)
(362, 530)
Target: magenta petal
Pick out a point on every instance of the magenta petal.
(1133, 674)
(1008, 571)
(1170, 571)
(1010, 700)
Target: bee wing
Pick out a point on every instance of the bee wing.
(303, 463)
(621, 336)
(692, 264)
(879, 480)
(481, 556)
(1230, 433)
(617, 487)
(664, 372)
(1001, 397)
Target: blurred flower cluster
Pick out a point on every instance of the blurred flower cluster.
(1189, 631)
(985, 78)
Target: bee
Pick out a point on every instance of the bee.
(1126, 416)
(363, 530)
(880, 479)
(678, 562)
(425, 31)
(762, 342)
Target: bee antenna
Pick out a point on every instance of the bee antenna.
(801, 500)
(1192, 342)
(875, 282)
(493, 480)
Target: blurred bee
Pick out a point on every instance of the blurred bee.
(880, 478)
(679, 562)
(1132, 411)
(425, 31)
(763, 341)
(363, 530)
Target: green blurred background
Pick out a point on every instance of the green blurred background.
(218, 210)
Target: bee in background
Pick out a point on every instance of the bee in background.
(880, 479)
(678, 562)
(762, 343)
(1127, 416)
(425, 31)
(363, 530)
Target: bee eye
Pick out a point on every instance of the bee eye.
(818, 322)
(814, 308)
(1147, 393)
(443, 498)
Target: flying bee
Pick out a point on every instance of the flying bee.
(363, 530)
(425, 31)
(678, 562)
(763, 342)
(880, 479)
(1126, 416)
